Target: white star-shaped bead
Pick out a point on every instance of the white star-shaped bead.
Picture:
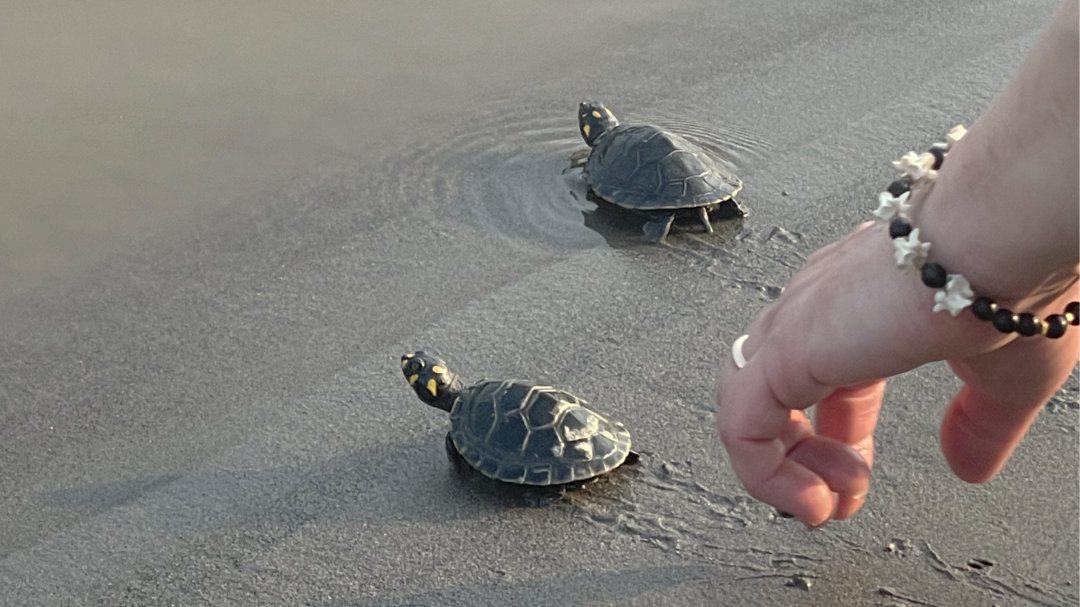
(956, 295)
(910, 252)
(890, 208)
(955, 134)
(917, 166)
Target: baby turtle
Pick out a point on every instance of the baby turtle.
(648, 169)
(516, 431)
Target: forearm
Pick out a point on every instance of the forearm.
(1004, 210)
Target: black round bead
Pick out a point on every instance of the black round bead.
(983, 308)
(933, 275)
(1056, 325)
(1027, 325)
(939, 157)
(899, 228)
(1003, 321)
(1074, 309)
(897, 188)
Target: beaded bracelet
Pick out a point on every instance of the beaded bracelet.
(954, 293)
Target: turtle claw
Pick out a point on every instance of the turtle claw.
(578, 159)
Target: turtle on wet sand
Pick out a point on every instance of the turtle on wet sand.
(516, 431)
(653, 171)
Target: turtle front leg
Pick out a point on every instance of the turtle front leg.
(579, 158)
(703, 213)
(460, 465)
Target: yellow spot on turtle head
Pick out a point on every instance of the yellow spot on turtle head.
(585, 129)
(433, 387)
(438, 370)
(413, 378)
(596, 114)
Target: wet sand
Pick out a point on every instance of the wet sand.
(223, 226)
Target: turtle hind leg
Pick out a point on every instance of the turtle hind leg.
(729, 209)
(657, 228)
(461, 466)
(703, 213)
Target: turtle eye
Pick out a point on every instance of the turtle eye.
(413, 366)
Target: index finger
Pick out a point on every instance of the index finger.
(773, 449)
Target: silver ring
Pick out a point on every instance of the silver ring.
(736, 351)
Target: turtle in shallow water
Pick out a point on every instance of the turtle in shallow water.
(516, 431)
(648, 169)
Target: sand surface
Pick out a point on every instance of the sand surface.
(221, 226)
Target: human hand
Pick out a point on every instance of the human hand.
(846, 321)
(1003, 212)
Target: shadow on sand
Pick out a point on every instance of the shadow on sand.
(405, 482)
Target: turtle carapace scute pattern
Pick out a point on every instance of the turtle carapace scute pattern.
(529, 434)
(655, 172)
(517, 431)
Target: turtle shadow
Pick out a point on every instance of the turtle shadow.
(565, 589)
(511, 495)
(406, 481)
(377, 484)
(100, 497)
(621, 228)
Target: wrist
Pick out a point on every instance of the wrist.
(1010, 248)
(1032, 273)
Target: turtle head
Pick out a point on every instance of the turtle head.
(594, 120)
(433, 382)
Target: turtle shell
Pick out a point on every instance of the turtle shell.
(645, 167)
(519, 432)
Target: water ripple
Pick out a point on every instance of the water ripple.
(506, 170)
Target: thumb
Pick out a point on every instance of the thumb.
(1005, 391)
(979, 433)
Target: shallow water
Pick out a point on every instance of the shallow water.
(513, 176)
(223, 224)
(120, 122)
